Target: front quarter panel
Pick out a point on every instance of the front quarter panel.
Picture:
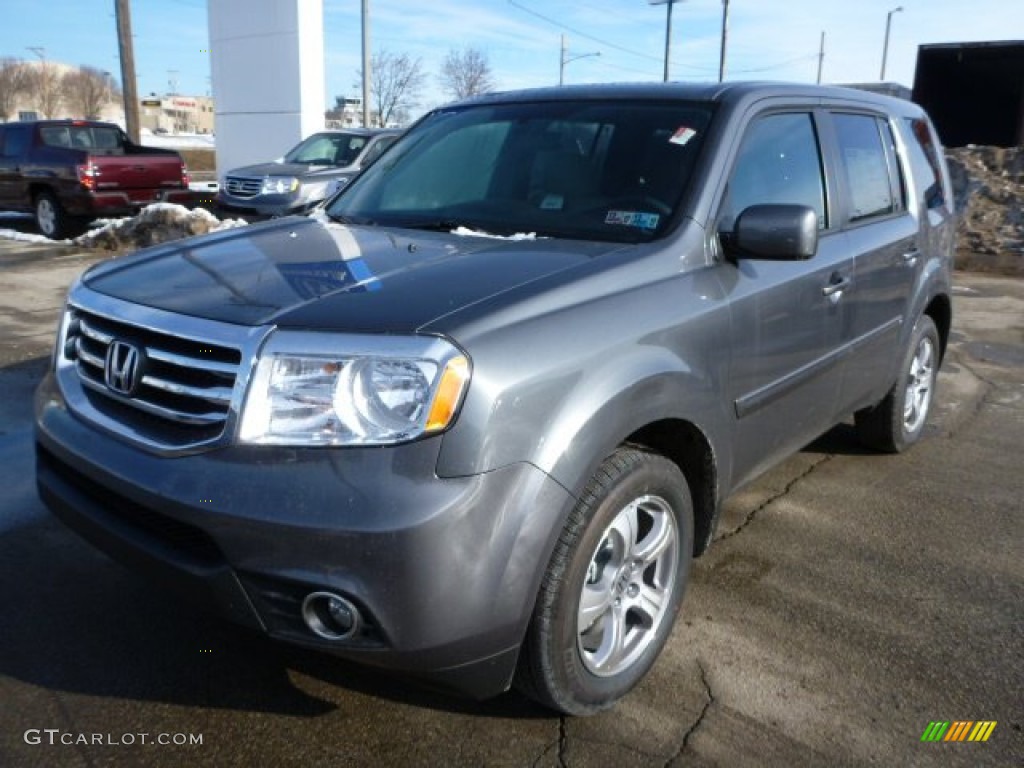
(562, 390)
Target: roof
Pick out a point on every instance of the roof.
(731, 92)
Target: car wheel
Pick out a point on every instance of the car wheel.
(51, 218)
(896, 423)
(613, 588)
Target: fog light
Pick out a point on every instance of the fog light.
(330, 616)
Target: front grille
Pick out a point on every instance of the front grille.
(241, 186)
(184, 393)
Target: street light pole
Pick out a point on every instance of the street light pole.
(885, 45)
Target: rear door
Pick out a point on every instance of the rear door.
(883, 237)
(787, 316)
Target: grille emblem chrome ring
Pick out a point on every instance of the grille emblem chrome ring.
(122, 370)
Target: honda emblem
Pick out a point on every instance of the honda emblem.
(121, 371)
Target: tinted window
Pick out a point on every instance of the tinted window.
(779, 162)
(924, 161)
(867, 170)
(82, 137)
(15, 140)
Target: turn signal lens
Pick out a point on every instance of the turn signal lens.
(449, 394)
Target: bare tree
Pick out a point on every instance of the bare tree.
(396, 81)
(44, 85)
(466, 73)
(87, 90)
(13, 82)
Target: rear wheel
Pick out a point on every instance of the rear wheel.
(51, 218)
(896, 423)
(613, 587)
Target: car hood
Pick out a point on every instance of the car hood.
(309, 273)
(299, 170)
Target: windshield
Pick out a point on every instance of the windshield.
(328, 149)
(590, 170)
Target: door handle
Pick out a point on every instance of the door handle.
(910, 257)
(836, 285)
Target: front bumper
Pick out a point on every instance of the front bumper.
(264, 206)
(445, 571)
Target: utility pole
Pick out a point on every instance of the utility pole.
(122, 9)
(668, 36)
(366, 63)
(821, 55)
(725, 38)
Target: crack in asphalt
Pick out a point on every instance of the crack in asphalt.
(710, 696)
(66, 713)
(563, 741)
(775, 497)
(560, 745)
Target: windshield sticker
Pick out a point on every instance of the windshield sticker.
(633, 219)
(682, 135)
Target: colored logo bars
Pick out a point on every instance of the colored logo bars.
(958, 730)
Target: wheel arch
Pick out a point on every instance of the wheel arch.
(940, 310)
(686, 446)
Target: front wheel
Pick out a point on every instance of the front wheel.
(896, 423)
(613, 587)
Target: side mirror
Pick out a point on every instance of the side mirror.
(778, 232)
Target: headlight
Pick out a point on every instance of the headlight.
(314, 191)
(327, 389)
(278, 185)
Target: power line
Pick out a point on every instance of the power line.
(575, 31)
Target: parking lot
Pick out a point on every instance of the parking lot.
(850, 600)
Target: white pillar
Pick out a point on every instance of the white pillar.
(267, 63)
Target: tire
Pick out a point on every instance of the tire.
(600, 620)
(897, 422)
(51, 218)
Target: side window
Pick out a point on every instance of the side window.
(863, 156)
(376, 149)
(779, 162)
(16, 141)
(924, 162)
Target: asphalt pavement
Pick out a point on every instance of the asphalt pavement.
(850, 600)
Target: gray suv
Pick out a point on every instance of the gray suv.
(309, 173)
(473, 420)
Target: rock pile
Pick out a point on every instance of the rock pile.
(155, 224)
(988, 186)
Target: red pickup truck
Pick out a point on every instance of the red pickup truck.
(69, 171)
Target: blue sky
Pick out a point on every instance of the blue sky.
(768, 39)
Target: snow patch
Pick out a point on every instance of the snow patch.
(466, 232)
(13, 234)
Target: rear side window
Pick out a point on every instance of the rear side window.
(82, 137)
(779, 162)
(924, 162)
(870, 188)
(14, 141)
